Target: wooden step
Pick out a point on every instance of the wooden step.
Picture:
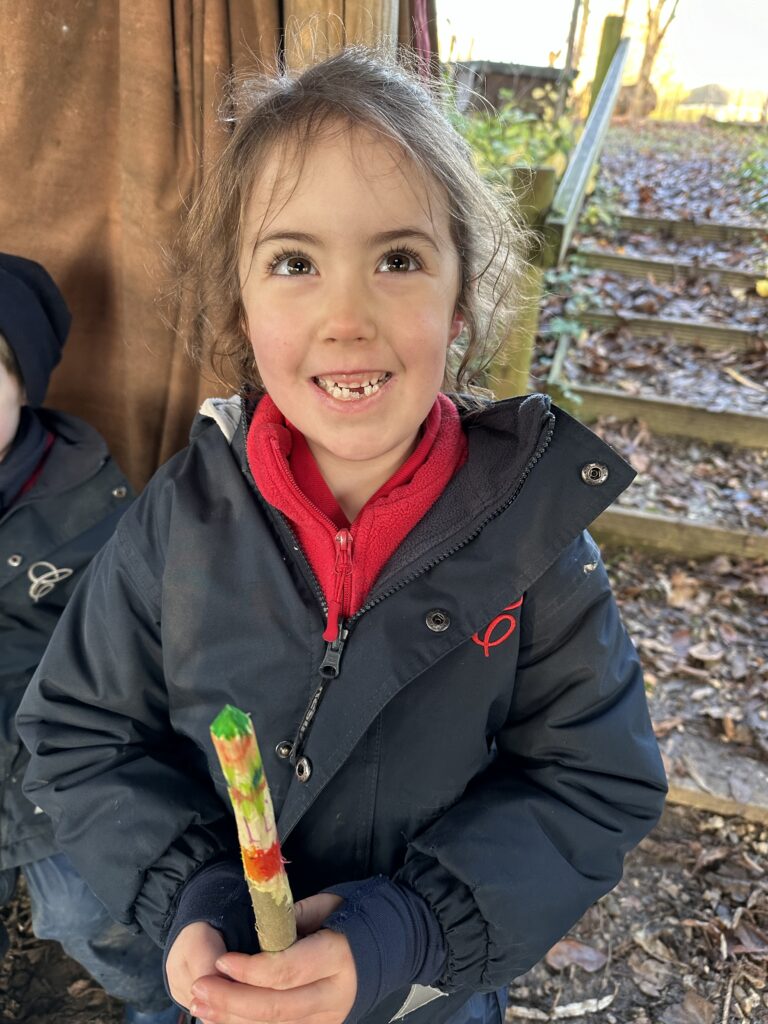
(693, 228)
(712, 335)
(715, 776)
(653, 531)
(663, 415)
(662, 269)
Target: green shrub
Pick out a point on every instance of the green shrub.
(510, 137)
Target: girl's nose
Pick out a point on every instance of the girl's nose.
(347, 313)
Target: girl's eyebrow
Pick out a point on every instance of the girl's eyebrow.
(392, 236)
(286, 236)
(380, 238)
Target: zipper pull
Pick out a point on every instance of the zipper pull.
(342, 570)
(330, 665)
(343, 567)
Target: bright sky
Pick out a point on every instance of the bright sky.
(723, 41)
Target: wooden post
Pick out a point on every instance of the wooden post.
(535, 190)
(372, 24)
(612, 28)
(314, 31)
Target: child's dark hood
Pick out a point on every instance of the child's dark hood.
(34, 319)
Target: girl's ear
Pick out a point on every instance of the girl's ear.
(457, 326)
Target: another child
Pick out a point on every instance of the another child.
(395, 583)
(61, 496)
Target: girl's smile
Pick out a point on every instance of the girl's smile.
(350, 386)
(349, 284)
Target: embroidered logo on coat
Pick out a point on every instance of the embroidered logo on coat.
(43, 577)
(498, 630)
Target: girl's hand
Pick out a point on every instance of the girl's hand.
(313, 982)
(193, 955)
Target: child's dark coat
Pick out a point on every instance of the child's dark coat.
(47, 537)
(496, 756)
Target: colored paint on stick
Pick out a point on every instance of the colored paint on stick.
(263, 865)
(235, 743)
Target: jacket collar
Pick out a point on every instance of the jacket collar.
(507, 441)
(80, 452)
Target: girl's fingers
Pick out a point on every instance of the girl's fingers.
(317, 956)
(226, 1002)
(312, 912)
(193, 955)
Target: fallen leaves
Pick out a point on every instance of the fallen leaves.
(718, 484)
(567, 1012)
(749, 257)
(693, 170)
(651, 976)
(745, 381)
(694, 1009)
(701, 633)
(706, 653)
(571, 953)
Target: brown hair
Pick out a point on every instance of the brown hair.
(356, 89)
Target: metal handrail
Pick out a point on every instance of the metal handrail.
(570, 194)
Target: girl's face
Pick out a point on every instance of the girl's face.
(11, 401)
(349, 283)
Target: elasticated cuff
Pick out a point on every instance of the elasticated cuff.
(455, 909)
(394, 937)
(218, 895)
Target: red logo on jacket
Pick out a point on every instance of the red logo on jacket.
(499, 630)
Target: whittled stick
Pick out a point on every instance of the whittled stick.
(235, 742)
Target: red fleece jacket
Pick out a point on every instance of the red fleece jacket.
(347, 558)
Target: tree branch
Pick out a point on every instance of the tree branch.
(669, 22)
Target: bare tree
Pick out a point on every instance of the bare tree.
(653, 40)
(579, 50)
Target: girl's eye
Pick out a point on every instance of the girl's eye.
(292, 264)
(400, 261)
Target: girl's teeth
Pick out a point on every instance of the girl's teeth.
(364, 389)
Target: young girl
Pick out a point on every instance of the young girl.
(396, 584)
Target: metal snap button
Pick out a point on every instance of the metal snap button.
(303, 769)
(15, 561)
(119, 492)
(283, 750)
(594, 473)
(438, 620)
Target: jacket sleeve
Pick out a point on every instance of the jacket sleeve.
(130, 801)
(576, 782)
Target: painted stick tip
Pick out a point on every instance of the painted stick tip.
(231, 723)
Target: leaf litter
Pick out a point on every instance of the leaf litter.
(703, 297)
(681, 171)
(749, 257)
(673, 936)
(725, 380)
(716, 484)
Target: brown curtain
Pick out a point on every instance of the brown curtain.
(108, 120)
